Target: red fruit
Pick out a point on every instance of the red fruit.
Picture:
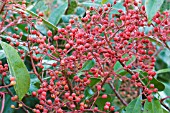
(155, 90)
(133, 77)
(34, 94)
(49, 102)
(107, 103)
(112, 108)
(106, 107)
(49, 33)
(99, 87)
(104, 96)
(72, 106)
(67, 46)
(12, 78)
(151, 85)
(149, 98)
(150, 77)
(41, 14)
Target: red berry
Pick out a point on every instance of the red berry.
(49, 33)
(106, 107)
(34, 94)
(67, 46)
(112, 108)
(104, 96)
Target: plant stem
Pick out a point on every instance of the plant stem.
(118, 95)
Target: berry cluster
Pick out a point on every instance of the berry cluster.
(100, 36)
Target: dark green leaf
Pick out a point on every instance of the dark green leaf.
(88, 93)
(134, 106)
(152, 6)
(72, 7)
(100, 102)
(153, 107)
(88, 65)
(57, 13)
(8, 103)
(17, 69)
(94, 81)
(154, 81)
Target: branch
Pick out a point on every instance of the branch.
(3, 102)
(117, 94)
(2, 6)
(69, 84)
(33, 65)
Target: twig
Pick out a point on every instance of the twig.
(69, 84)
(3, 102)
(117, 94)
(164, 98)
(33, 65)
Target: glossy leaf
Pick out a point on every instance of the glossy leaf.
(100, 102)
(57, 13)
(152, 6)
(153, 107)
(94, 81)
(44, 20)
(88, 93)
(163, 71)
(72, 7)
(2, 54)
(88, 65)
(17, 69)
(134, 106)
(154, 81)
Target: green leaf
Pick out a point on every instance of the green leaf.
(100, 102)
(88, 93)
(152, 6)
(17, 69)
(106, 89)
(90, 4)
(80, 11)
(72, 7)
(154, 81)
(153, 107)
(117, 66)
(57, 13)
(44, 20)
(104, 1)
(134, 106)
(163, 71)
(94, 81)
(131, 60)
(2, 54)
(88, 65)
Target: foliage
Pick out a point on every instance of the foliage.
(84, 56)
